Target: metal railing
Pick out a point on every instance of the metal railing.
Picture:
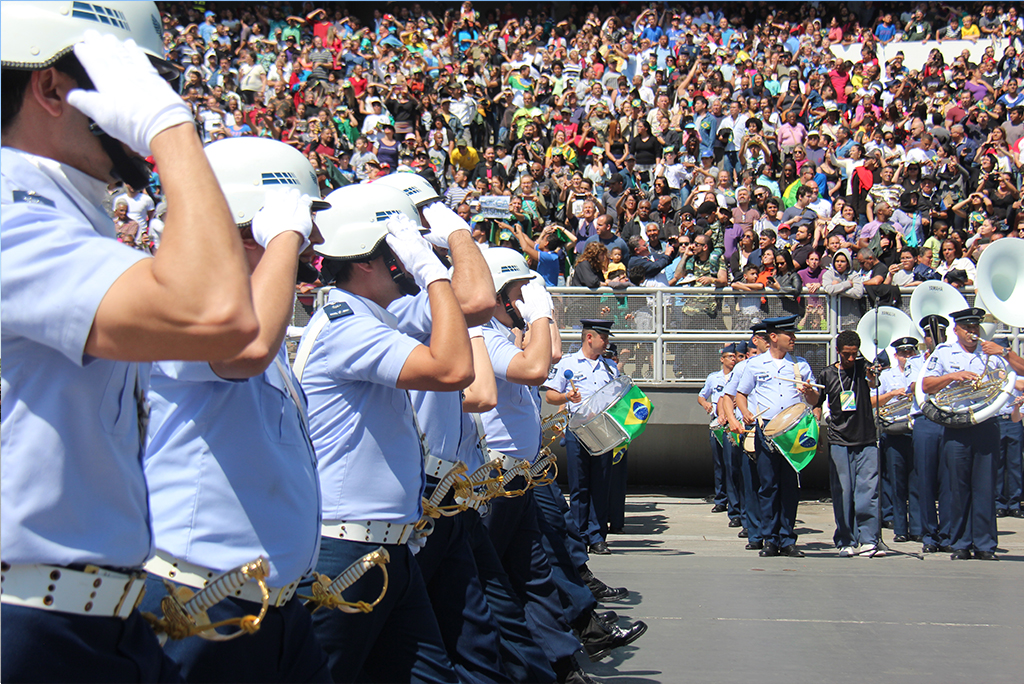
(671, 337)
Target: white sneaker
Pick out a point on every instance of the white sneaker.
(867, 550)
(847, 552)
(879, 553)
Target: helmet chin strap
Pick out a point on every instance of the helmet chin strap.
(405, 283)
(517, 320)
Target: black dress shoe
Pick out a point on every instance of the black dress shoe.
(1002, 512)
(1016, 513)
(733, 522)
(946, 548)
(900, 538)
(601, 549)
(769, 550)
(719, 508)
(754, 546)
(929, 548)
(887, 524)
(616, 638)
(960, 554)
(916, 538)
(985, 555)
(610, 594)
(791, 551)
(743, 533)
(608, 617)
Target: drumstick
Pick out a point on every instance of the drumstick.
(568, 376)
(797, 381)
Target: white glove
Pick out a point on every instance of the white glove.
(131, 103)
(284, 209)
(476, 331)
(536, 302)
(417, 541)
(415, 253)
(443, 222)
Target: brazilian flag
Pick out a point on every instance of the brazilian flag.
(631, 412)
(799, 444)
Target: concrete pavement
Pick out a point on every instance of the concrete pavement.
(719, 613)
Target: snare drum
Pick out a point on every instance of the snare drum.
(793, 433)
(612, 416)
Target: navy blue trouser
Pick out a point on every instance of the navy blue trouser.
(467, 626)
(733, 478)
(899, 459)
(886, 490)
(617, 491)
(514, 531)
(522, 658)
(718, 465)
(931, 481)
(1009, 467)
(589, 478)
(44, 646)
(399, 641)
(283, 650)
(969, 455)
(751, 489)
(779, 494)
(577, 599)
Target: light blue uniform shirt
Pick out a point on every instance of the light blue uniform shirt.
(950, 357)
(231, 472)
(589, 375)
(714, 386)
(72, 484)
(451, 434)
(513, 426)
(765, 392)
(732, 381)
(893, 378)
(368, 452)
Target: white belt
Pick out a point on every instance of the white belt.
(49, 587)
(196, 576)
(510, 462)
(437, 467)
(372, 531)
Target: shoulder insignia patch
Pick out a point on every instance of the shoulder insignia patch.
(337, 310)
(32, 198)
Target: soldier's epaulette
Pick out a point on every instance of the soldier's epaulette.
(32, 198)
(337, 310)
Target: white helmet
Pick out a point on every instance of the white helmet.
(247, 167)
(418, 189)
(34, 35)
(507, 265)
(356, 223)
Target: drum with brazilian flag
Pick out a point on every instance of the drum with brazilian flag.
(612, 417)
(797, 442)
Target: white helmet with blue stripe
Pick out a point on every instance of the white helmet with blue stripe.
(415, 186)
(247, 167)
(356, 224)
(34, 35)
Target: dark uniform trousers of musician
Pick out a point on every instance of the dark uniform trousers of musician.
(854, 464)
(1009, 467)
(899, 462)
(932, 484)
(779, 494)
(589, 479)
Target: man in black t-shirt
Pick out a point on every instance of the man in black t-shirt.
(878, 285)
(851, 435)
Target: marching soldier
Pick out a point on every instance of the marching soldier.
(76, 526)
(588, 474)
(726, 495)
(969, 453)
(356, 369)
(895, 384)
(772, 382)
(251, 492)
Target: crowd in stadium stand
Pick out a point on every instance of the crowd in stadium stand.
(785, 149)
